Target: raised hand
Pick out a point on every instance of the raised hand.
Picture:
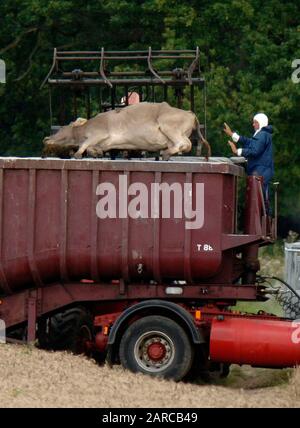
(227, 130)
(233, 147)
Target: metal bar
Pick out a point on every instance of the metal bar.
(3, 280)
(63, 225)
(117, 105)
(179, 51)
(75, 105)
(88, 103)
(174, 51)
(147, 93)
(62, 111)
(126, 95)
(50, 108)
(125, 236)
(31, 229)
(32, 317)
(100, 99)
(262, 199)
(120, 73)
(153, 55)
(145, 57)
(78, 52)
(79, 58)
(236, 198)
(102, 69)
(193, 66)
(141, 93)
(152, 94)
(166, 93)
(179, 97)
(192, 98)
(127, 58)
(122, 287)
(252, 226)
(113, 97)
(156, 227)
(187, 242)
(94, 228)
(151, 68)
(151, 81)
(276, 184)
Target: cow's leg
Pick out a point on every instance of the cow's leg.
(81, 150)
(186, 144)
(183, 144)
(89, 143)
(176, 141)
(94, 152)
(167, 153)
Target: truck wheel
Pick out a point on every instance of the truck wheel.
(218, 371)
(157, 346)
(69, 330)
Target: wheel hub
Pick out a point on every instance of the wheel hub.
(156, 351)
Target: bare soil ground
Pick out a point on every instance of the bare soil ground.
(34, 378)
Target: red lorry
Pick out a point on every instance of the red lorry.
(149, 288)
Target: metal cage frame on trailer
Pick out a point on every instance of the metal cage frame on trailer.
(77, 79)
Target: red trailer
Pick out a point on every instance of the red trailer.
(150, 292)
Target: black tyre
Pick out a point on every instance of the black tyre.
(200, 367)
(204, 370)
(19, 333)
(157, 346)
(69, 330)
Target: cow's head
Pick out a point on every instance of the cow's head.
(63, 140)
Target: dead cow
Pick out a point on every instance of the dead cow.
(145, 126)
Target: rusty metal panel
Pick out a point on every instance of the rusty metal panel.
(50, 232)
(15, 227)
(48, 223)
(3, 281)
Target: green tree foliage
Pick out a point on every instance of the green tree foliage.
(247, 48)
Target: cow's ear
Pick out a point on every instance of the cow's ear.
(79, 122)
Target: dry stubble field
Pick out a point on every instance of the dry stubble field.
(34, 378)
